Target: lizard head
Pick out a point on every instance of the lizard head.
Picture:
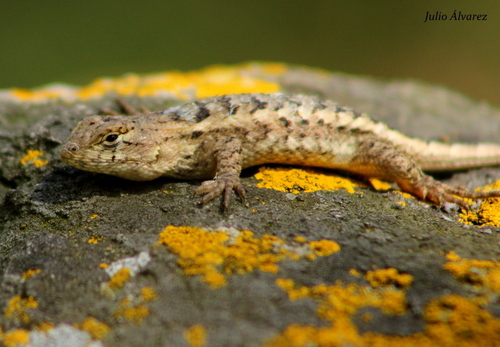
(111, 145)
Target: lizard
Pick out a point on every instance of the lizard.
(217, 137)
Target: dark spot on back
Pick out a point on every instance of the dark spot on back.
(321, 122)
(318, 107)
(202, 113)
(279, 106)
(173, 116)
(357, 131)
(225, 102)
(233, 110)
(285, 121)
(258, 104)
(196, 134)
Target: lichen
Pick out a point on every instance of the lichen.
(301, 180)
(450, 320)
(32, 157)
(212, 80)
(196, 336)
(15, 337)
(218, 253)
(17, 308)
(119, 279)
(95, 328)
(488, 213)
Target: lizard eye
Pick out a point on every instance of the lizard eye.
(110, 139)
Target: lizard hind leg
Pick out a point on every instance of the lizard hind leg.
(387, 162)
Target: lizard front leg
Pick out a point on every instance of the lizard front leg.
(385, 161)
(227, 176)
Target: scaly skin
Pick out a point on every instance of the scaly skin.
(217, 137)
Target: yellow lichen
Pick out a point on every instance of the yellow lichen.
(301, 180)
(148, 294)
(31, 273)
(214, 254)
(483, 275)
(379, 185)
(196, 336)
(450, 320)
(212, 80)
(32, 157)
(95, 239)
(324, 248)
(119, 278)
(44, 326)
(132, 313)
(17, 308)
(15, 337)
(95, 328)
(384, 277)
(103, 265)
(489, 211)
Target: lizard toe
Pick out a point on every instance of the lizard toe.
(218, 186)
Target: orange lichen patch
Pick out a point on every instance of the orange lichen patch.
(355, 273)
(31, 273)
(148, 294)
(130, 312)
(196, 336)
(32, 157)
(95, 239)
(44, 93)
(17, 308)
(44, 326)
(336, 304)
(379, 185)
(95, 328)
(488, 212)
(301, 180)
(103, 265)
(483, 275)
(341, 333)
(384, 277)
(345, 299)
(213, 80)
(323, 248)
(461, 321)
(214, 254)
(450, 320)
(94, 216)
(119, 278)
(15, 337)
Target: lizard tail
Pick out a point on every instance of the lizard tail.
(458, 156)
(439, 156)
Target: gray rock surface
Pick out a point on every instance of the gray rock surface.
(46, 222)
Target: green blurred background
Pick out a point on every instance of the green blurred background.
(77, 41)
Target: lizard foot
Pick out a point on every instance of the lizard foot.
(219, 185)
(437, 192)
